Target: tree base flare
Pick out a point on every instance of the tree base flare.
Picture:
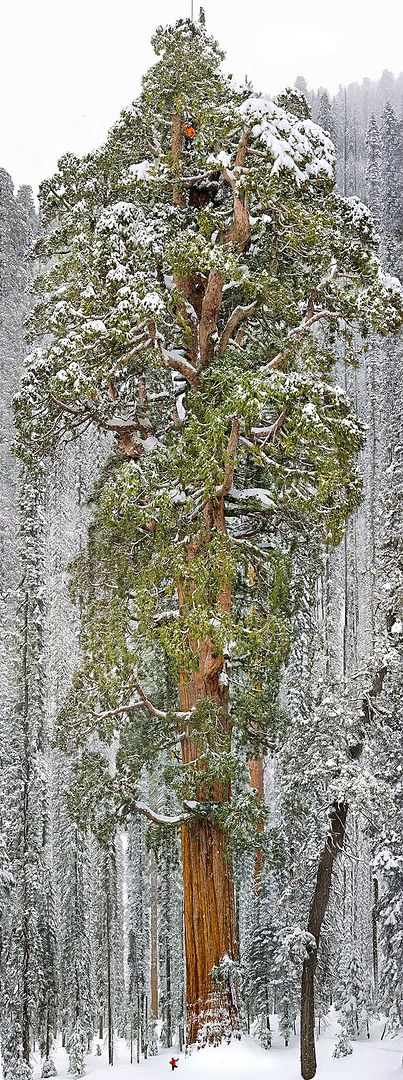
(216, 1020)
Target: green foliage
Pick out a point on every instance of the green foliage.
(192, 543)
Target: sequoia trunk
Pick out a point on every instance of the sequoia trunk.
(209, 921)
(256, 776)
(213, 1010)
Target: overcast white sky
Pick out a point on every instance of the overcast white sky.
(67, 67)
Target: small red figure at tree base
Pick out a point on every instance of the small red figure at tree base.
(174, 1063)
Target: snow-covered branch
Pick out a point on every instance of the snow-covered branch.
(240, 313)
(209, 314)
(305, 325)
(157, 819)
(159, 714)
(143, 703)
(131, 707)
(267, 433)
(230, 459)
(175, 360)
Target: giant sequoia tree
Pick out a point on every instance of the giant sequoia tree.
(194, 292)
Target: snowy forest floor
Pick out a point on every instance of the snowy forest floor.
(372, 1059)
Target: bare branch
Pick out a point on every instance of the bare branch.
(118, 425)
(60, 198)
(238, 232)
(190, 181)
(143, 703)
(242, 149)
(131, 707)
(255, 446)
(66, 408)
(176, 362)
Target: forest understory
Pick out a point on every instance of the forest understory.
(377, 1060)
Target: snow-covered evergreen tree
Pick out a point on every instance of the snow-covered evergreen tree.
(391, 187)
(210, 280)
(324, 116)
(373, 171)
(138, 958)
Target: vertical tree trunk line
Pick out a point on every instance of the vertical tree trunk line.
(375, 951)
(333, 846)
(153, 935)
(26, 950)
(176, 146)
(256, 776)
(209, 900)
(109, 947)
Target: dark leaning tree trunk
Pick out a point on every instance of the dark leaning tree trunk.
(333, 846)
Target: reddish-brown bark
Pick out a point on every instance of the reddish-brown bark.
(209, 903)
(209, 921)
(256, 777)
(176, 146)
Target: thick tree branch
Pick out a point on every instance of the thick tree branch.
(184, 302)
(190, 181)
(211, 305)
(144, 703)
(176, 362)
(131, 707)
(242, 149)
(160, 714)
(267, 433)
(238, 233)
(178, 197)
(70, 409)
(238, 316)
(255, 446)
(164, 819)
(157, 819)
(123, 430)
(230, 459)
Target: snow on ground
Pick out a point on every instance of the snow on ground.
(372, 1059)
